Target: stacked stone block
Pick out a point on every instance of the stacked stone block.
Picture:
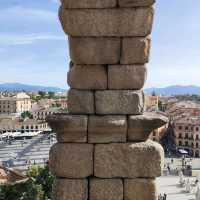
(103, 151)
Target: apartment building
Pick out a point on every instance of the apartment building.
(183, 109)
(151, 102)
(18, 125)
(42, 113)
(187, 133)
(18, 103)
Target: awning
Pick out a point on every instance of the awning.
(182, 151)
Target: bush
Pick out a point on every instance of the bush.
(22, 191)
(27, 114)
(45, 179)
(38, 187)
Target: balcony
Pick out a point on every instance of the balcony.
(191, 138)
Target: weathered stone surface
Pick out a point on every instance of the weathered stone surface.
(89, 3)
(140, 189)
(128, 160)
(70, 189)
(105, 129)
(89, 77)
(71, 160)
(91, 50)
(141, 126)
(107, 22)
(106, 189)
(119, 102)
(135, 3)
(126, 76)
(69, 128)
(135, 50)
(80, 101)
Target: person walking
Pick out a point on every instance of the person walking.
(160, 197)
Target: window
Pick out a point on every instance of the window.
(186, 143)
(197, 128)
(180, 143)
(197, 145)
(180, 127)
(186, 136)
(180, 135)
(154, 133)
(197, 137)
(186, 128)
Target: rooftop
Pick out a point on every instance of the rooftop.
(193, 120)
(10, 175)
(18, 96)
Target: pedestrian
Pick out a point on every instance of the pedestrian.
(160, 197)
(168, 167)
(165, 197)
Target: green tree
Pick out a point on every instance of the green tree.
(22, 191)
(37, 187)
(34, 171)
(42, 177)
(51, 95)
(46, 180)
(27, 114)
(42, 94)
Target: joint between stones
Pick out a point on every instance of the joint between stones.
(123, 190)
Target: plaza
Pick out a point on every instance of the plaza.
(21, 154)
(170, 185)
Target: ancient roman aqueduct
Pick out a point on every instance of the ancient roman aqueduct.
(103, 151)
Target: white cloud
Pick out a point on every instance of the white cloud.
(55, 1)
(14, 39)
(19, 12)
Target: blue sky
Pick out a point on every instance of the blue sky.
(34, 49)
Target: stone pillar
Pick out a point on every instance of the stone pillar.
(103, 151)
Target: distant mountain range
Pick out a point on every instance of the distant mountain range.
(11, 87)
(174, 90)
(166, 91)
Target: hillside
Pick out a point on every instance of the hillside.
(174, 90)
(28, 88)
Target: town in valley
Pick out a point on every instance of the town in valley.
(26, 137)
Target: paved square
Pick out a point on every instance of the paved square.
(21, 154)
(170, 185)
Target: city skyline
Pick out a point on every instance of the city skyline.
(33, 47)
